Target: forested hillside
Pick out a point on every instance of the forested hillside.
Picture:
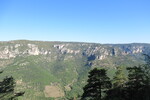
(49, 70)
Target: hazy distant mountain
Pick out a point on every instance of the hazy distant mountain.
(59, 69)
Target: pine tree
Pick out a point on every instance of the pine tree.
(147, 72)
(119, 79)
(98, 82)
(7, 86)
(117, 92)
(138, 80)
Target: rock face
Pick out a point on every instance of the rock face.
(13, 49)
(7, 52)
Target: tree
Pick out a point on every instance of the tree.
(98, 82)
(119, 79)
(147, 73)
(137, 83)
(7, 86)
(117, 92)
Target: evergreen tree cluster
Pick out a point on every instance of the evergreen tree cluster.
(136, 86)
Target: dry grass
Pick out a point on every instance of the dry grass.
(53, 91)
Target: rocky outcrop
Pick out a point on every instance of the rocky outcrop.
(7, 52)
(132, 50)
(91, 51)
(64, 49)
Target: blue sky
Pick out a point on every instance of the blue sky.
(99, 21)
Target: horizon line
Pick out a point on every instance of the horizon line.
(71, 41)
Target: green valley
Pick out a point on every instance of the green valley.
(59, 70)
